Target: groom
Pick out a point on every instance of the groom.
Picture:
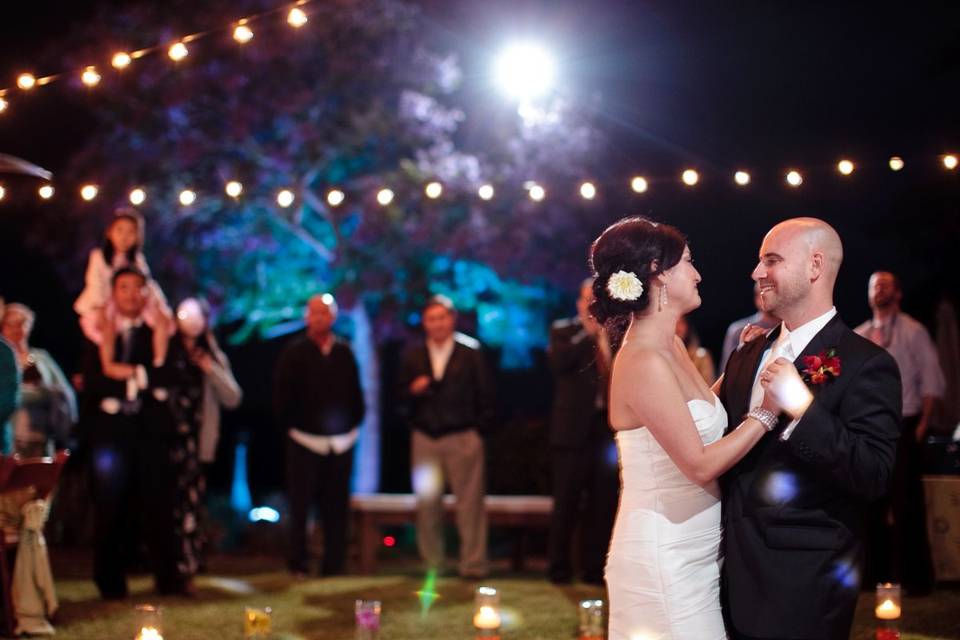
(792, 507)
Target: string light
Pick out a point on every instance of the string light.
(3, 104)
(233, 189)
(120, 60)
(178, 51)
(90, 77)
(742, 178)
(88, 192)
(485, 192)
(137, 196)
(188, 197)
(537, 193)
(794, 179)
(588, 191)
(845, 167)
(950, 161)
(26, 81)
(296, 18)
(242, 33)
(385, 196)
(285, 198)
(896, 163)
(46, 191)
(3, 192)
(639, 184)
(335, 197)
(433, 190)
(690, 177)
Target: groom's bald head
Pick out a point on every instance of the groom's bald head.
(799, 262)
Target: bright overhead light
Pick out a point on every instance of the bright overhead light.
(845, 167)
(385, 196)
(588, 191)
(285, 198)
(690, 177)
(433, 190)
(90, 77)
(485, 192)
(639, 184)
(233, 189)
(188, 197)
(742, 178)
(896, 163)
(537, 193)
(26, 81)
(335, 197)
(3, 192)
(296, 18)
(46, 191)
(3, 104)
(950, 161)
(177, 51)
(794, 179)
(525, 71)
(88, 192)
(120, 60)
(137, 196)
(242, 33)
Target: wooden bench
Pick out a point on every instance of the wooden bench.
(374, 510)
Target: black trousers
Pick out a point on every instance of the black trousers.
(899, 550)
(133, 486)
(323, 481)
(585, 491)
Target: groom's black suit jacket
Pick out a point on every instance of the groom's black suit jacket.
(792, 510)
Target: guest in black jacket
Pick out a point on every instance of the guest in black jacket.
(582, 451)
(319, 404)
(132, 431)
(449, 399)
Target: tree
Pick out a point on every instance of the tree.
(358, 99)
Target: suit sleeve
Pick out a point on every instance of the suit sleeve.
(486, 393)
(95, 383)
(569, 351)
(856, 447)
(357, 405)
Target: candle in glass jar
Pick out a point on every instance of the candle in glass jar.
(487, 619)
(149, 633)
(888, 610)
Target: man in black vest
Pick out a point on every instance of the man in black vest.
(448, 399)
(793, 507)
(132, 432)
(582, 450)
(319, 405)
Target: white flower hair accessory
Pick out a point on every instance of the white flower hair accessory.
(624, 285)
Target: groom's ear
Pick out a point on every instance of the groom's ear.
(816, 266)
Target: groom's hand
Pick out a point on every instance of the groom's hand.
(781, 381)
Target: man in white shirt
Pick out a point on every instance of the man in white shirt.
(793, 506)
(448, 398)
(900, 550)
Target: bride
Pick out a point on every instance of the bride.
(663, 568)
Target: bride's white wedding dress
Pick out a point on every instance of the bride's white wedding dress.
(663, 569)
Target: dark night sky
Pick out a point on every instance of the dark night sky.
(765, 85)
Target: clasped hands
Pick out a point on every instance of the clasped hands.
(784, 388)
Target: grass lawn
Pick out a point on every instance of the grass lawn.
(318, 609)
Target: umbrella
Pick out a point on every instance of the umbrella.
(12, 164)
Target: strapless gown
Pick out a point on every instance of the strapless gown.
(663, 568)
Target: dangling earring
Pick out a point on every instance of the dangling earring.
(663, 297)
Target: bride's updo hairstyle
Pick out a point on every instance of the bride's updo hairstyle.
(634, 246)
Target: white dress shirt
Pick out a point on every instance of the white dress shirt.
(789, 345)
(440, 356)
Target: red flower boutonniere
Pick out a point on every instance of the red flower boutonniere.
(821, 368)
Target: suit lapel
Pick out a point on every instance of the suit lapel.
(740, 383)
(827, 338)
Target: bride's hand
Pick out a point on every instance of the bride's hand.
(751, 332)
